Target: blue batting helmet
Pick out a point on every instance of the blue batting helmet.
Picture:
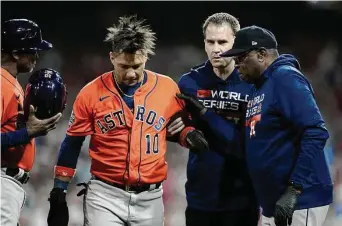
(46, 92)
(22, 35)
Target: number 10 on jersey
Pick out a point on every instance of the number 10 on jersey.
(152, 144)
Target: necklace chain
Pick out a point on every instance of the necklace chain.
(117, 85)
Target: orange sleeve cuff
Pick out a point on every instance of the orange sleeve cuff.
(183, 134)
(64, 171)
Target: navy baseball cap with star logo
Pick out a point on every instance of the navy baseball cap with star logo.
(251, 38)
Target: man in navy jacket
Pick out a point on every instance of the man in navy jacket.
(218, 187)
(285, 133)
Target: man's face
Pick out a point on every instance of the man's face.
(218, 39)
(249, 66)
(128, 67)
(26, 62)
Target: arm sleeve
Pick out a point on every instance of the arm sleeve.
(68, 155)
(80, 123)
(180, 105)
(1, 108)
(297, 103)
(187, 123)
(221, 127)
(11, 139)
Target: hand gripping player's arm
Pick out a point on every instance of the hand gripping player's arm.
(181, 130)
(79, 127)
(34, 128)
(221, 127)
(184, 133)
(296, 101)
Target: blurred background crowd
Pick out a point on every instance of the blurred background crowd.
(311, 30)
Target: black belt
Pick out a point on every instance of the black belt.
(130, 188)
(18, 174)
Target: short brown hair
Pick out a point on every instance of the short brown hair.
(130, 35)
(222, 18)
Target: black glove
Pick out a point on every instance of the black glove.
(59, 212)
(192, 101)
(196, 141)
(285, 207)
(84, 190)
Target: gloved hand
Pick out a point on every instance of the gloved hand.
(193, 101)
(59, 212)
(84, 190)
(196, 141)
(285, 207)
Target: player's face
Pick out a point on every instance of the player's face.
(218, 39)
(128, 67)
(249, 66)
(26, 62)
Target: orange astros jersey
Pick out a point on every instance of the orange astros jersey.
(11, 111)
(126, 147)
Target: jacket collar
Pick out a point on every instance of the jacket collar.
(209, 72)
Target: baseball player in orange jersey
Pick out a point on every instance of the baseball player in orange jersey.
(125, 111)
(20, 43)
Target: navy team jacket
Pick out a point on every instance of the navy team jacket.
(285, 137)
(218, 181)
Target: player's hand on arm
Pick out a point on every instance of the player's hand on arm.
(175, 126)
(194, 139)
(285, 206)
(193, 101)
(197, 142)
(178, 122)
(219, 125)
(36, 127)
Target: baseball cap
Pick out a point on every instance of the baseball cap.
(250, 38)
